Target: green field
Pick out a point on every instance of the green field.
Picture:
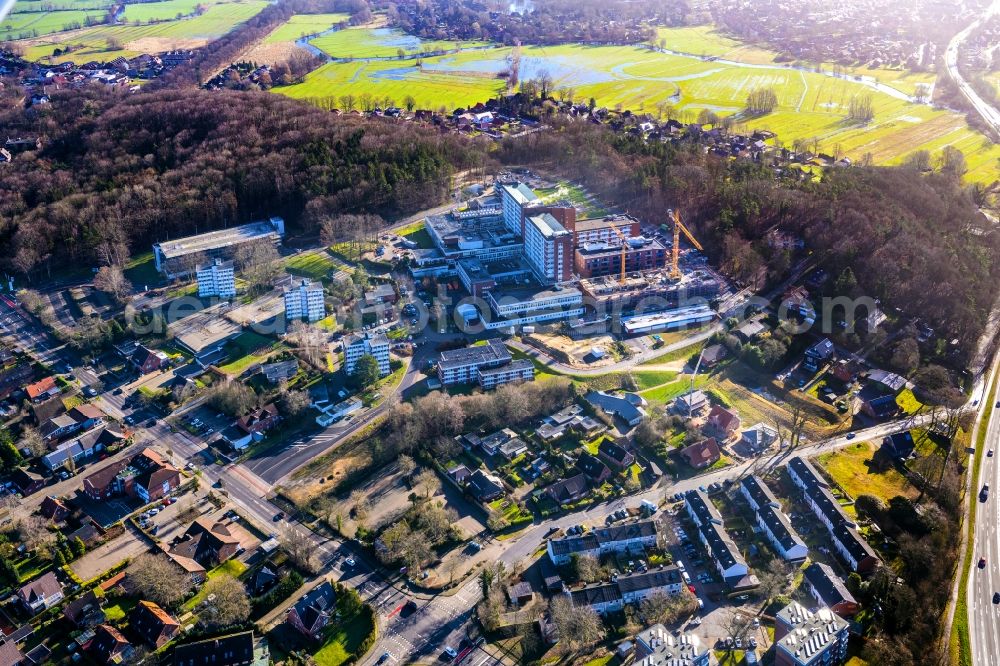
(301, 25)
(850, 468)
(95, 43)
(23, 25)
(381, 43)
(146, 12)
(812, 106)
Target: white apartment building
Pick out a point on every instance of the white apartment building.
(548, 248)
(367, 345)
(772, 521)
(305, 301)
(216, 278)
(514, 197)
(521, 370)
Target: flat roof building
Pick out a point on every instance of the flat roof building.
(180, 257)
(667, 320)
(598, 258)
(805, 638)
(656, 646)
(305, 300)
(364, 344)
(216, 279)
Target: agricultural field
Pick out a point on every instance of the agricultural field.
(23, 24)
(355, 43)
(812, 105)
(107, 42)
(301, 25)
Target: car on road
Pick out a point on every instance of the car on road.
(984, 493)
(989, 454)
(996, 597)
(90, 391)
(850, 435)
(450, 652)
(278, 516)
(384, 658)
(695, 622)
(350, 562)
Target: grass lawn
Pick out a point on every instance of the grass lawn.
(419, 236)
(141, 271)
(121, 608)
(302, 25)
(313, 265)
(849, 467)
(729, 657)
(663, 394)
(23, 25)
(233, 568)
(811, 104)
(342, 640)
(908, 402)
(647, 379)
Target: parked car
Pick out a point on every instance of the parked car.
(450, 651)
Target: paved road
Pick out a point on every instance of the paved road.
(987, 111)
(984, 615)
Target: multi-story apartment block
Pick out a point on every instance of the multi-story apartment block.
(514, 198)
(490, 365)
(548, 248)
(629, 589)
(725, 555)
(804, 638)
(180, 257)
(216, 278)
(656, 646)
(367, 345)
(305, 301)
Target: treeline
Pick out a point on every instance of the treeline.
(916, 241)
(120, 172)
(550, 22)
(224, 50)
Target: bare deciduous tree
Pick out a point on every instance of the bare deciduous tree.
(158, 579)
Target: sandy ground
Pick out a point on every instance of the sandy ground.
(161, 44)
(579, 349)
(271, 54)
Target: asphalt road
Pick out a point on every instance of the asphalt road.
(984, 615)
(987, 111)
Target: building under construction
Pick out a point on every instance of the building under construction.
(649, 291)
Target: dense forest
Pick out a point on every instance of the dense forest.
(129, 170)
(549, 22)
(914, 240)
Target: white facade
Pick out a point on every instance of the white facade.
(217, 278)
(367, 345)
(305, 301)
(547, 248)
(513, 198)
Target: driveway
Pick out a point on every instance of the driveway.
(129, 545)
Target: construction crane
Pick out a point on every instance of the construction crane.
(675, 271)
(624, 240)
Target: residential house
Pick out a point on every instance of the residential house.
(618, 457)
(10, 655)
(40, 655)
(804, 638)
(817, 355)
(829, 590)
(879, 406)
(109, 646)
(750, 330)
(628, 406)
(621, 538)
(58, 427)
(27, 482)
(568, 419)
(889, 381)
(459, 474)
(725, 555)
(85, 611)
(40, 594)
(657, 646)
(262, 581)
(313, 611)
(759, 437)
(146, 360)
(691, 403)
(713, 355)
(54, 509)
(567, 491)
(153, 624)
(513, 448)
(491, 443)
(87, 415)
(206, 542)
(628, 589)
(42, 389)
(702, 454)
(145, 476)
(520, 594)
(83, 447)
(593, 468)
(725, 422)
(234, 650)
(772, 521)
(847, 541)
(484, 486)
(899, 445)
(259, 420)
(280, 370)
(380, 293)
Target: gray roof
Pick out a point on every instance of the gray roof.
(612, 404)
(648, 580)
(520, 192)
(828, 585)
(769, 511)
(702, 507)
(494, 351)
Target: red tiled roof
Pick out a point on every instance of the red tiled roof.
(40, 387)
